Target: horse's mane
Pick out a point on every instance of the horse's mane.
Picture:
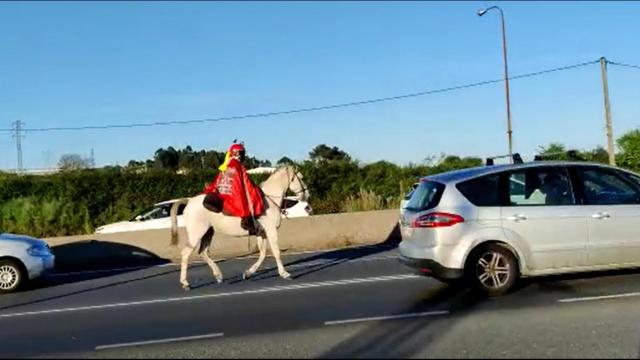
(278, 169)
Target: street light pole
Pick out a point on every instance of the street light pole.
(506, 75)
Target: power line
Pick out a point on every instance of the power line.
(625, 65)
(309, 109)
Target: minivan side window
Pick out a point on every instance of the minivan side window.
(633, 177)
(605, 187)
(540, 186)
(482, 191)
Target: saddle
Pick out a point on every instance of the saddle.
(213, 202)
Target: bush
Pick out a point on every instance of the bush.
(365, 200)
(77, 202)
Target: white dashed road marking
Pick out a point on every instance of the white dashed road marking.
(389, 317)
(160, 341)
(603, 297)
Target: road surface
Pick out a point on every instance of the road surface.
(346, 303)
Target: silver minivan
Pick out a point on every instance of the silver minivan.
(491, 225)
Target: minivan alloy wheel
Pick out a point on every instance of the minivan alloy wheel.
(493, 270)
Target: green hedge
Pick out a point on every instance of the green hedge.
(77, 202)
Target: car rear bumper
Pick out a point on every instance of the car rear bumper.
(431, 268)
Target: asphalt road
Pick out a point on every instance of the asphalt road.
(350, 303)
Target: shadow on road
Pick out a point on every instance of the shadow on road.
(93, 259)
(97, 255)
(83, 261)
(406, 338)
(324, 260)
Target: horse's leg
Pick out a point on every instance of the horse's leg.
(272, 235)
(197, 228)
(263, 253)
(212, 264)
(184, 264)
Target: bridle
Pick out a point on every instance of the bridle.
(302, 190)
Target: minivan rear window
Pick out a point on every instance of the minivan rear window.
(426, 196)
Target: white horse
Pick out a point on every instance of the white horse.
(201, 224)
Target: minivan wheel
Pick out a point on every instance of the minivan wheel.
(492, 269)
(11, 276)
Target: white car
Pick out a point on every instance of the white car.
(22, 258)
(158, 216)
(294, 207)
(152, 218)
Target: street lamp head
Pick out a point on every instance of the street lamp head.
(482, 12)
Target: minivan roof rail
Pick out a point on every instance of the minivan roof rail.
(517, 159)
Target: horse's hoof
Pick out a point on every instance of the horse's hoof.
(286, 276)
(186, 287)
(219, 280)
(246, 275)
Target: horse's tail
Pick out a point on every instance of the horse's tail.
(174, 220)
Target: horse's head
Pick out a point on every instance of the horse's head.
(296, 183)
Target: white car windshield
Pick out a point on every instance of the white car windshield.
(156, 212)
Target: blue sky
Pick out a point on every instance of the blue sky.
(84, 63)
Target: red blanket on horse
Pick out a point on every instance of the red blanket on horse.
(231, 185)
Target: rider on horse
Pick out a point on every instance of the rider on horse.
(233, 193)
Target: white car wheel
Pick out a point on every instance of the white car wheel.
(11, 276)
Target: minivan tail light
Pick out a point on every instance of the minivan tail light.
(437, 219)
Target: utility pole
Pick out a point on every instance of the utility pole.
(17, 134)
(607, 112)
(93, 159)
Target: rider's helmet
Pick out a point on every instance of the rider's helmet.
(236, 151)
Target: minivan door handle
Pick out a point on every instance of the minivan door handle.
(517, 217)
(601, 215)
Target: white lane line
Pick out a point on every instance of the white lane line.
(219, 295)
(604, 297)
(389, 317)
(160, 341)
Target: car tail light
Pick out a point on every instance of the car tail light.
(437, 219)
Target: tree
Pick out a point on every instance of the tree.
(599, 154)
(554, 151)
(284, 161)
(167, 159)
(324, 152)
(629, 145)
(69, 162)
(454, 162)
(188, 159)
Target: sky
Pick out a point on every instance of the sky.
(70, 64)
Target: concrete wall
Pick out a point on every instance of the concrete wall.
(308, 233)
